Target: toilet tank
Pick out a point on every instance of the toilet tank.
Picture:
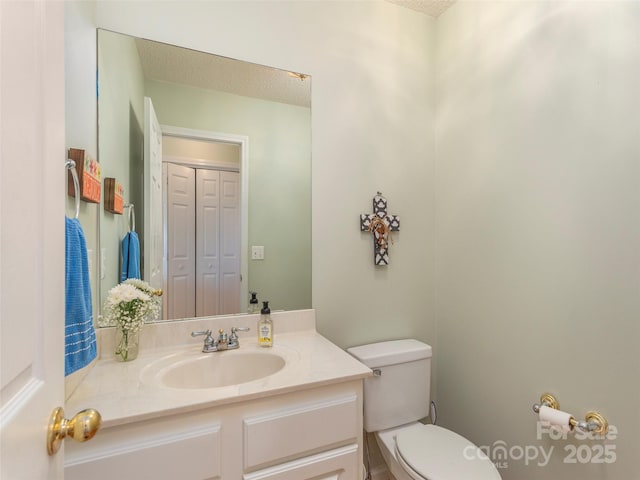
(399, 391)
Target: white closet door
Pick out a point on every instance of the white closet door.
(207, 243)
(230, 242)
(181, 254)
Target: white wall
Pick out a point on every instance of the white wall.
(538, 232)
(372, 118)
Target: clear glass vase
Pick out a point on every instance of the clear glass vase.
(127, 344)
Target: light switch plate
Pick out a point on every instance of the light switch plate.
(257, 252)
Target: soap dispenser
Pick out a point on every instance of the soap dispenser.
(253, 303)
(265, 326)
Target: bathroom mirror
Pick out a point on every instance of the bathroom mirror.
(219, 118)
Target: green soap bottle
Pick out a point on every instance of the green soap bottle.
(265, 326)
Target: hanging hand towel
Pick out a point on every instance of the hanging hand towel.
(80, 336)
(130, 256)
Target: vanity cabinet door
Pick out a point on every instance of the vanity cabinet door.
(156, 450)
(300, 429)
(338, 464)
(304, 440)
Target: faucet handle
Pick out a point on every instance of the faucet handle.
(201, 332)
(209, 342)
(238, 329)
(234, 342)
(234, 336)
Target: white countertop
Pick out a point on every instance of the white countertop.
(122, 394)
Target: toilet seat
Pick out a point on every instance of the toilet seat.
(435, 453)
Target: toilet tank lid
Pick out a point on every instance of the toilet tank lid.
(391, 352)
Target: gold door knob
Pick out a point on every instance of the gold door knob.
(82, 427)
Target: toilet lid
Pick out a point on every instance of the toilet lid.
(435, 453)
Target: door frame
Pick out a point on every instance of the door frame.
(243, 143)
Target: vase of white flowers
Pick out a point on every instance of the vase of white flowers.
(129, 304)
(127, 343)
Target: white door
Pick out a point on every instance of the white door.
(152, 243)
(207, 243)
(229, 242)
(32, 186)
(203, 242)
(217, 242)
(181, 251)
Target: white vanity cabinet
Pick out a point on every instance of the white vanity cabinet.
(304, 434)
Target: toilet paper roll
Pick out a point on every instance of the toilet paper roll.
(557, 419)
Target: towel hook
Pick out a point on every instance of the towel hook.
(71, 166)
(132, 216)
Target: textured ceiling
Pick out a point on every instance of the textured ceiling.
(167, 63)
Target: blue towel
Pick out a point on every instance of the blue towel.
(130, 256)
(80, 336)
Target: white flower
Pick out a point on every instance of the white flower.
(128, 306)
(142, 285)
(125, 293)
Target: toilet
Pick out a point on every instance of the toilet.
(395, 398)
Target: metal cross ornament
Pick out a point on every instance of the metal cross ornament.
(380, 224)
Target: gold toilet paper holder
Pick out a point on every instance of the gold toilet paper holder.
(594, 422)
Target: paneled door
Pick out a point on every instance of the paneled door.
(153, 247)
(32, 196)
(217, 242)
(207, 238)
(203, 242)
(181, 246)
(229, 242)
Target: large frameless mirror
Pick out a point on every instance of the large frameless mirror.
(213, 157)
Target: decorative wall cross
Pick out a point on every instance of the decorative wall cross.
(381, 225)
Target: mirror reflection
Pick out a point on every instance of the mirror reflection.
(213, 157)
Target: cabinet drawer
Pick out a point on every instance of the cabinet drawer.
(193, 455)
(286, 434)
(338, 464)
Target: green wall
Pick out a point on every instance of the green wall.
(120, 143)
(279, 180)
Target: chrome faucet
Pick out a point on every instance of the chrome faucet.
(223, 342)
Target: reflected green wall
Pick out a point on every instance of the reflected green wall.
(279, 141)
(279, 180)
(120, 142)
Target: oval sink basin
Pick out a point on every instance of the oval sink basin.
(213, 370)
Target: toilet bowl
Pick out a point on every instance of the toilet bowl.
(429, 452)
(395, 398)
